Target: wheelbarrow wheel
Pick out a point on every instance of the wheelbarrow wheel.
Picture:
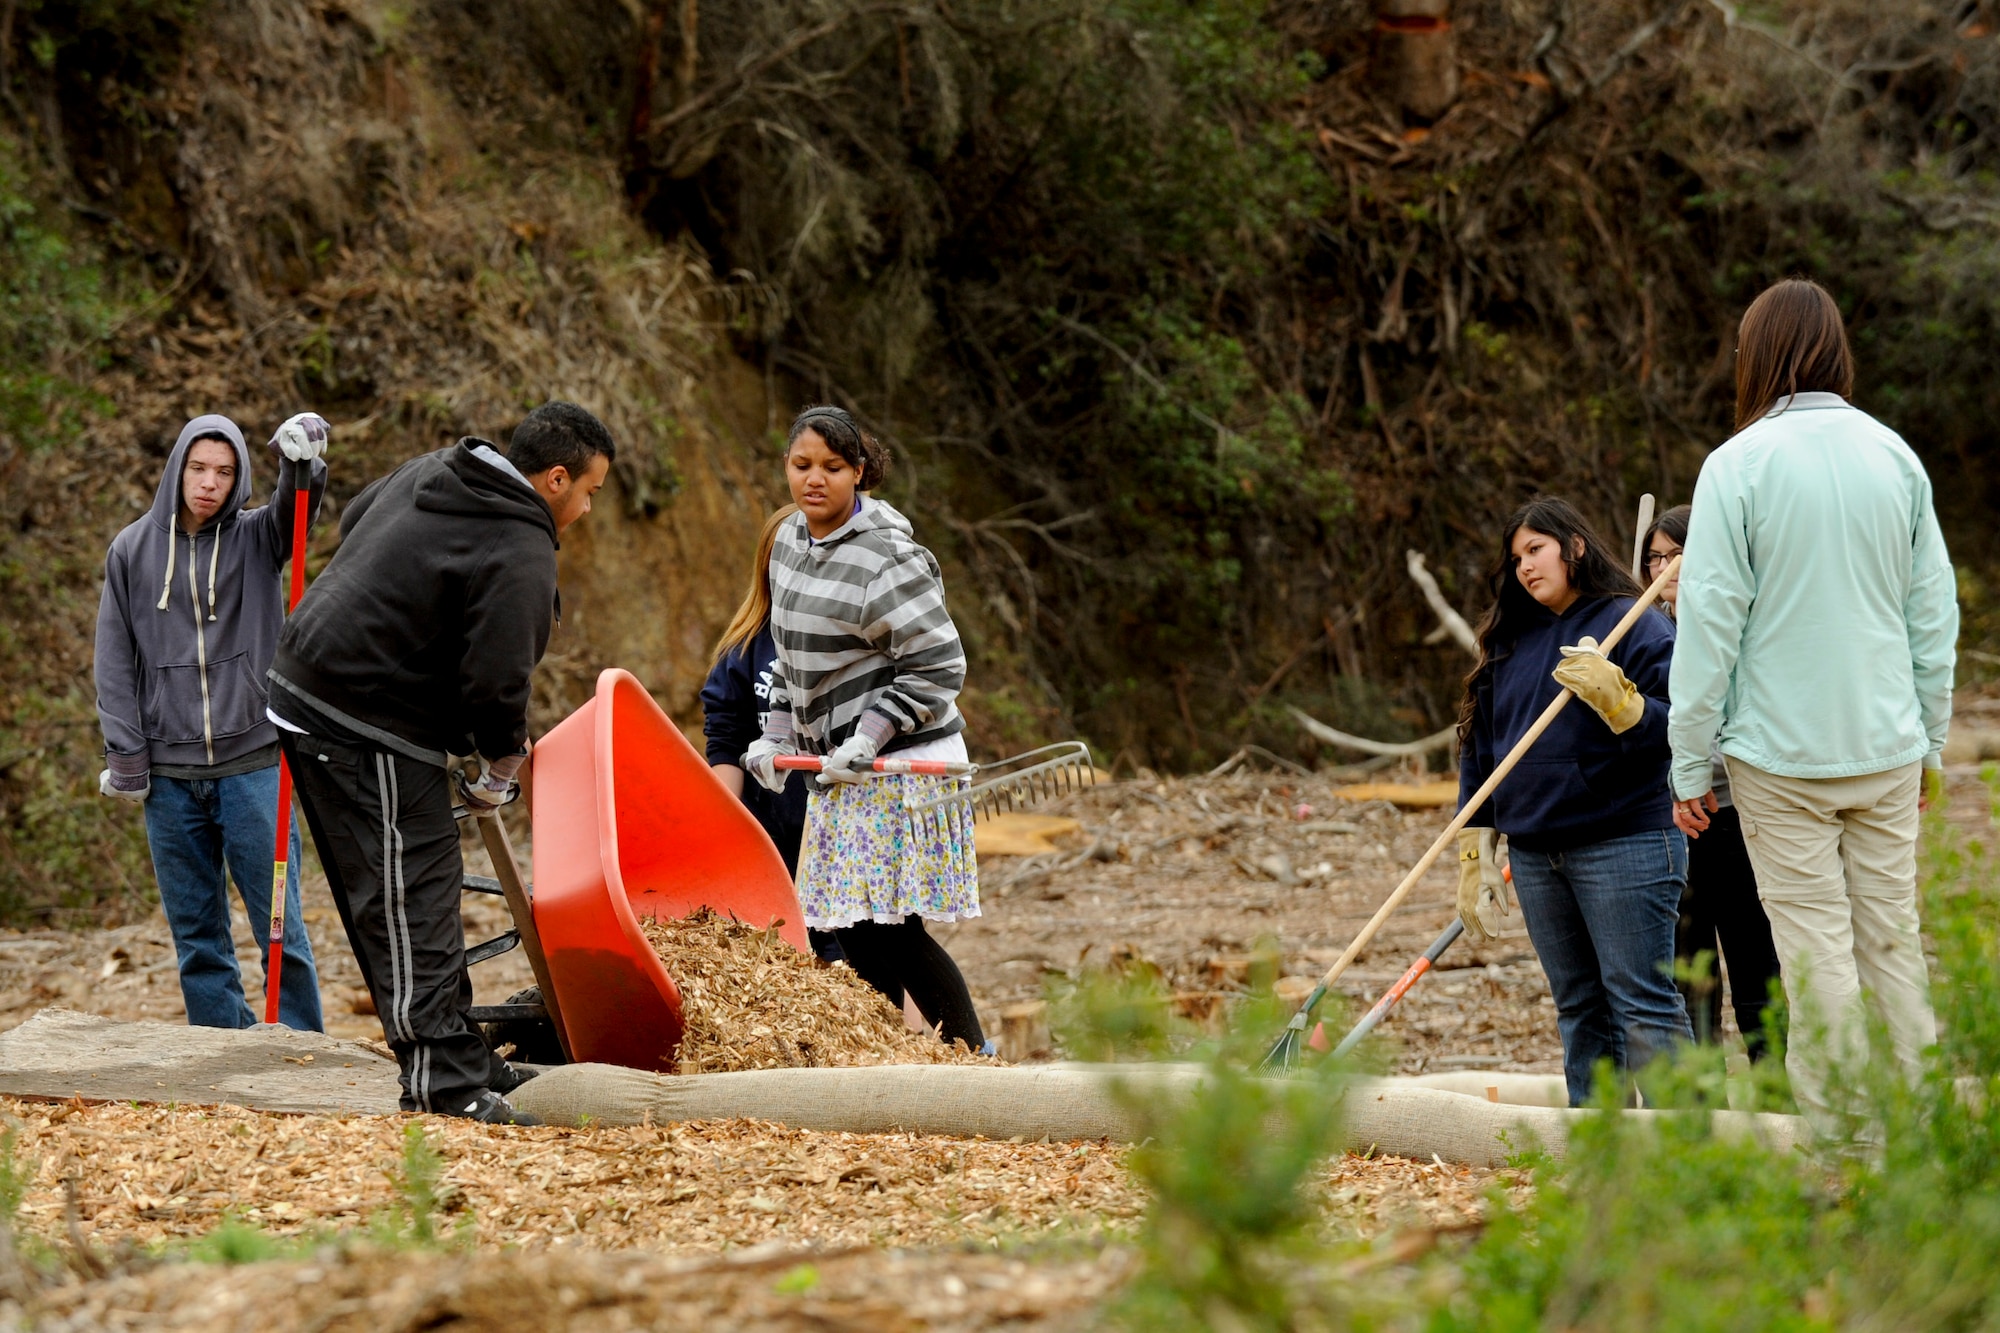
(534, 1039)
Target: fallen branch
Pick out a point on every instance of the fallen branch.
(1454, 623)
(1244, 754)
(1388, 749)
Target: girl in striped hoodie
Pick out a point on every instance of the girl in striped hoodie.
(869, 663)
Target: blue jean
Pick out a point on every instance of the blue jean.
(197, 829)
(1602, 917)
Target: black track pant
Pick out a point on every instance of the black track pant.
(383, 827)
(1721, 914)
(903, 958)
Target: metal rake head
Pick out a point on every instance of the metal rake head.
(1009, 784)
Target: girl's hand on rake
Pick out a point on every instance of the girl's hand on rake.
(757, 761)
(852, 761)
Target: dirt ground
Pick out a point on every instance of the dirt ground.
(1187, 873)
(750, 1225)
(758, 1291)
(1167, 870)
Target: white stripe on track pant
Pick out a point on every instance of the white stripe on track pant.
(382, 825)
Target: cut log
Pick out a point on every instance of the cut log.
(1024, 1032)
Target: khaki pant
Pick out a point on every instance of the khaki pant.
(1836, 862)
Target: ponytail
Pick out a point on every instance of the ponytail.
(756, 608)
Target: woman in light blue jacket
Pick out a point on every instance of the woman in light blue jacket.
(1818, 624)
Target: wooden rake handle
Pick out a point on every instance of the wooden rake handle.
(1486, 789)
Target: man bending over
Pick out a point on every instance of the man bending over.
(414, 645)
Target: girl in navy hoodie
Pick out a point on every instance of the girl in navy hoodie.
(735, 699)
(1598, 865)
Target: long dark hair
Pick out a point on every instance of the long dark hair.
(1594, 573)
(1791, 341)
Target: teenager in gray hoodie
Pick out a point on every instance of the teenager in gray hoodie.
(186, 628)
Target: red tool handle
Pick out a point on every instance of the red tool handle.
(274, 969)
(929, 768)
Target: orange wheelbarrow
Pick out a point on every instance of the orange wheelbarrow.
(628, 823)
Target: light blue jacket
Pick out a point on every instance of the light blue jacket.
(1818, 612)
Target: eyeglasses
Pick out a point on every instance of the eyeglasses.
(1658, 559)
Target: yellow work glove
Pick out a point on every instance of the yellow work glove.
(1596, 679)
(1482, 884)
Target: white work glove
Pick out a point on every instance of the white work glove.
(757, 761)
(853, 761)
(108, 785)
(1483, 896)
(494, 788)
(303, 438)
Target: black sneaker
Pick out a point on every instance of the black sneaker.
(507, 1077)
(490, 1108)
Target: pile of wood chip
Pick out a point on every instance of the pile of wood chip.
(752, 1001)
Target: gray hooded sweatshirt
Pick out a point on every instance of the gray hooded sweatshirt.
(187, 624)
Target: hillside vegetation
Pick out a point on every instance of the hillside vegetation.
(1184, 322)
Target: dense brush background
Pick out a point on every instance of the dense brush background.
(1184, 327)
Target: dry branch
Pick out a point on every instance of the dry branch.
(1389, 749)
(1454, 623)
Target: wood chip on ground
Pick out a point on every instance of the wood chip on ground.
(752, 1001)
(151, 1176)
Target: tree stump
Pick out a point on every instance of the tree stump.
(1416, 57)
(1024, 1032)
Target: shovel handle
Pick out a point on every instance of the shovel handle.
(928, 768)
(274, 965)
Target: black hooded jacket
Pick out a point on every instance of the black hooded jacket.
(434, 612)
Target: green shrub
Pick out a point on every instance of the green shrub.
(1667, 1226)
(1642, 1223)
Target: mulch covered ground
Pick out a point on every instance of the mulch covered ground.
(151, 1176)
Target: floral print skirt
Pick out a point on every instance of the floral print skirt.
(865, 859)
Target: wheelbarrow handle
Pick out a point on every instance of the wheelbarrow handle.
(929, 768)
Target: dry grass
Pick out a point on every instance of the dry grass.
(751, 1001)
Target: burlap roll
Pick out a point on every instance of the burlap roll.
(1071, 1102)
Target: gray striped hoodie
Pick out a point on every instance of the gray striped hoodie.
(862, 630)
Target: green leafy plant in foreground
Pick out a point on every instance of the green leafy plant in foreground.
(1674, 1220)
(1228, 1154)
(412, 1222)
(422, 1194)
(1663, 1223)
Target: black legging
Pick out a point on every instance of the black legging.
(902, 957)
(1721, 915)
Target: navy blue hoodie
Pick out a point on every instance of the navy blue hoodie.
(734, 701)
(1580, 784)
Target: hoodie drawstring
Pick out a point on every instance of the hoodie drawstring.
(167, 586)
(214, 553)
